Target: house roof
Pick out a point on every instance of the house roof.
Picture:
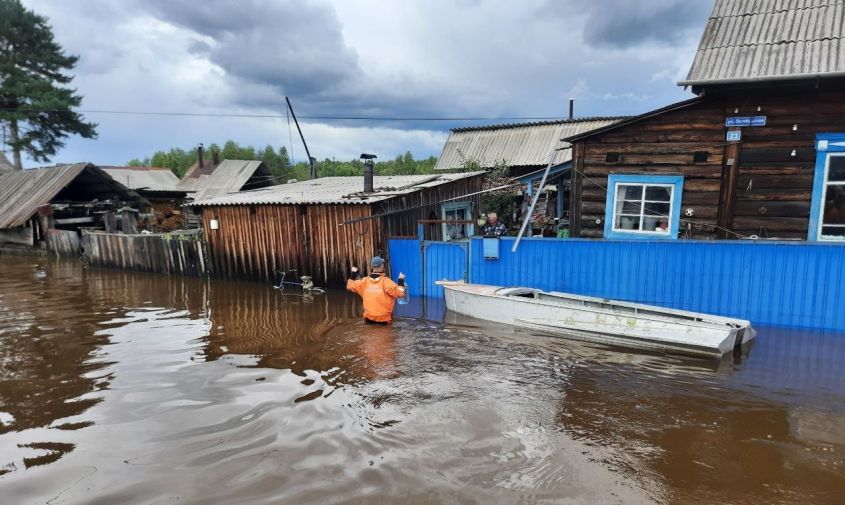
(337, 190)
(5, 164)
(766, 40)
(161, 180)
(23, 191)
(634, 119)
(229, 176)
(520, 144)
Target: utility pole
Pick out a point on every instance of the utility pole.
(307, 153)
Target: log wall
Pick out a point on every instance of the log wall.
(767, 192)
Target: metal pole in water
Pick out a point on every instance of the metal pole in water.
(527, 217)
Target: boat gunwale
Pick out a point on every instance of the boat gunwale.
(707, 320)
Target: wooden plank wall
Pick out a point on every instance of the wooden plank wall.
(422, 204)
(21, 235)
(769, 192)
(257, 242)
(63, 242)
(180, 253)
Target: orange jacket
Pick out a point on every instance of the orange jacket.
(379, 296)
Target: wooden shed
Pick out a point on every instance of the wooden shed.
(48, 207)
(759, 153)
(299, 226)
(160, 187)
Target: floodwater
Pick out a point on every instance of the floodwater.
(118, 387)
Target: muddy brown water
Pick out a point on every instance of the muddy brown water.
(118, 387)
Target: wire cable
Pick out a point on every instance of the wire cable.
(277, 116)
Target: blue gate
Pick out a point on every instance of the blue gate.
(424, 262)
(443, 261)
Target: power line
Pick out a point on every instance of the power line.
(278, 116)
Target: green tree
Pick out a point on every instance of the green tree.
(34, 100)
(279, 164)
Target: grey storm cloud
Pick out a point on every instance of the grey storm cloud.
(629, 23)
(294, 47)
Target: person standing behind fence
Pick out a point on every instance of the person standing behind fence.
(378, 292)
(494, 228)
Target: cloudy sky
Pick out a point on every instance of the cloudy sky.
(361, 58)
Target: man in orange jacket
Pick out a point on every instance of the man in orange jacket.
(378, 292)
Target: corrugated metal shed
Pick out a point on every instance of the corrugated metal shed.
(230, 176)
(517, 145)
(23, 191)
(161, 180)
(753, 40)
(336, 190)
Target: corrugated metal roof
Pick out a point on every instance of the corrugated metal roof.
(146, 178)
(23, 191)
(526, 144)
(751, 40)
(230, 176)
(337, 190)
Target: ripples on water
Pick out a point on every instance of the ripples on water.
(130, 388)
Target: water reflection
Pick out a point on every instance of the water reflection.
(118, 387)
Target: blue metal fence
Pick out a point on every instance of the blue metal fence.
(425, 263)
(775, 283)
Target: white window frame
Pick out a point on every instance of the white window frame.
(644, 185)
(825, 184)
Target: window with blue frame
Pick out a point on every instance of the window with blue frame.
(643, 206)
(827, 211)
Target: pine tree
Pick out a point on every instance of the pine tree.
(34, 100)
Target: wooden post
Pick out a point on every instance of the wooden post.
(128, 223)
(575, 190)
(110, 222)
(727, 192)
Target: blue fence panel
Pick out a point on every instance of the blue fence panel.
(773, 283)
(444, 260)
(404, 256)
(788, 284)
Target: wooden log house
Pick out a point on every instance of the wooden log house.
(759, 153)
(298, 226)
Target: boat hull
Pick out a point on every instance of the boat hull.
(598, 320)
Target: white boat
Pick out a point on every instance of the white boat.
(600, 320)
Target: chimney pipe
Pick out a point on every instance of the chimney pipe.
(199, 156)
(368, 172)
(571, 109)
(215, 157)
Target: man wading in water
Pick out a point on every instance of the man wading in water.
(378, 292)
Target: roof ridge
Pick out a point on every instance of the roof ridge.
(499, 126)
(778, 43)
(778, 11)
